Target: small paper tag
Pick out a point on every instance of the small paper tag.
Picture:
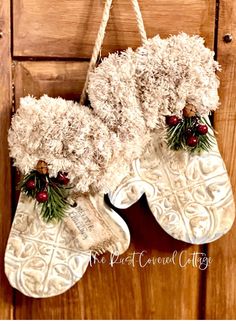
(93, 231)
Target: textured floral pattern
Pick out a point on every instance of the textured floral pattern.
(44, 260)
(189, 195)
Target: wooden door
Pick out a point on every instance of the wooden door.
(45, 48)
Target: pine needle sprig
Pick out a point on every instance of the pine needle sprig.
(56, 205)
(177, 135)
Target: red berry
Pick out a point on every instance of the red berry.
(42, 196)
(202, 129)
(30, 184)
(192, 141)
(172, 120)
(62, 178)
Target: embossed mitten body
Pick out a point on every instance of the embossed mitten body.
(46, 259)
(189, 195)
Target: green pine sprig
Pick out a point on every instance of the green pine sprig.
(56, 205)
(177, 135)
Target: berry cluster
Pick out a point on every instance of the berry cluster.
(191, 133)
(42, 195)
(188, 133)
(51, 193)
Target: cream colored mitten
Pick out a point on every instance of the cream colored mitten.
(173, 84)
(69, 161)
(190, 196)
(46, 259)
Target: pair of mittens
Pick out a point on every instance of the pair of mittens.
(150, 106)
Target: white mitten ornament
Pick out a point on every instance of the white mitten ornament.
(174, 85)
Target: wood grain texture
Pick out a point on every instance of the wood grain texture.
(67, 28)
(64, 79)
(221, 285)
(6, 307)
(122, 291)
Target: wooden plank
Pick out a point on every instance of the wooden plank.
(123, 291)
(67, 28)
(221, 284)
(6, 299)
(65, 79)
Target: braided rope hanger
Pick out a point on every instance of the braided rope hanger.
(101, 35)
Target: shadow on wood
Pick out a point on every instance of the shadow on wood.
(146, 233)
